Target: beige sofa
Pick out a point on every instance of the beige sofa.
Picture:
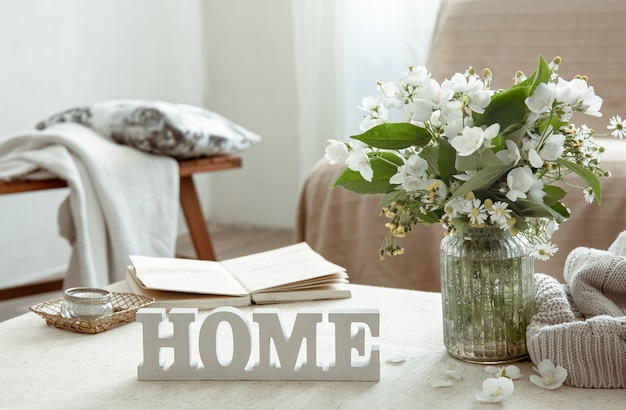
(505, 36)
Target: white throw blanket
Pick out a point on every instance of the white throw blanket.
(122, 201)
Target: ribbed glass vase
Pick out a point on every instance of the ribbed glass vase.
(487, 294)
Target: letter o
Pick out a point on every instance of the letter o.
(242, 339)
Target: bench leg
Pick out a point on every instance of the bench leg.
(195, 220)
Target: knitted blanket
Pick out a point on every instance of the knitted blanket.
(122, 201)
(581, 325)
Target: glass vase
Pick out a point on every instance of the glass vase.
(487, 294)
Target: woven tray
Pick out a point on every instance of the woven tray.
(125, 306)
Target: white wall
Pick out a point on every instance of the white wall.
(252, 81)
(62, 53)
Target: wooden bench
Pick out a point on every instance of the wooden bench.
(190, 204)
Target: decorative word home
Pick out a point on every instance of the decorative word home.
(202, 357)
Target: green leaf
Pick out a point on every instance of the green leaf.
(506, 108)
(431, 155)
(561, 209)
(589, 177)
(395, 136)
(481, 180)
(384, 168)
(445, 160)
(486, 158)
(468, 162)
(428, 218)
(532, 209)
(553, 194)
(541, 75)
(515, 133)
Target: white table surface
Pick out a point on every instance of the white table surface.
(48, 368)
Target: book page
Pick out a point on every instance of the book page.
(180, 299)
(271, 269)
(185, 275)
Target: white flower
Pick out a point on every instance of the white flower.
(583, 96)
(456, 207)
(510, 371)
(542, 99)
(478, 98)
(393, 95)
(618, 126)
(370, 103)
(491, 132)
(536, 192)
(359, 161)
(588, 195)
(553, 147)
(496, 390)
(378, 114)
(519, 181)
(421, 109)
(570, 92)
(457, 84)
(530, 141)
(454, 127)
(432, 91)
(410, 175)
(550, 376)
(591, 105)
(511, 154)
(499, 214)
(477, 213)
(469, 141)
(535, 158)
(416, 76)
(336, 152)
(543, 251)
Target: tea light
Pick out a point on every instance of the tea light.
(86, 303)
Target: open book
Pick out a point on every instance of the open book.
(289, 274)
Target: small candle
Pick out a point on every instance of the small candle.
(86, 303)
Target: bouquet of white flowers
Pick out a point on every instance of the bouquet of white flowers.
(468, 156)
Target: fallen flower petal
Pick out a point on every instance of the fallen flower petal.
(441, 383)
(495, 390)
(396, 358)
(550, 376)
(453, 374)
(511, 371)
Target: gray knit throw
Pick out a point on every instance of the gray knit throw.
(581, 325)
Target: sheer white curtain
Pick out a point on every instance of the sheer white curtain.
(342, 47)
(318, 47)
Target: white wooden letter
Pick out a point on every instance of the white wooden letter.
(242, 342)
(345, 342)
(287, 347)
(153, 343)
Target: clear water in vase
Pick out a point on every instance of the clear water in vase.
(487, 295)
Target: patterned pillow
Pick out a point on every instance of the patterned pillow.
(177, 130)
